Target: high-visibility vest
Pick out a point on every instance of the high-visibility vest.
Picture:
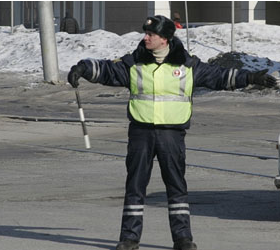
(161, 94)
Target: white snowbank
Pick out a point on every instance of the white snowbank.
(21, 51)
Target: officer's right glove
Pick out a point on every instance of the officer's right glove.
(262, 78)
(75, 73)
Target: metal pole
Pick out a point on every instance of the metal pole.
(12, 17)
(48, 42)
(232, 27)
(22, 12)
(187, 26)
(64, 9)
(32, 15)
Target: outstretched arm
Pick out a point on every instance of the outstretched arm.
(106, 72)
(218, 78)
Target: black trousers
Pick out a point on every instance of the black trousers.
(169, 147)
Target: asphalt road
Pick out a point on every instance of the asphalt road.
(55, 194)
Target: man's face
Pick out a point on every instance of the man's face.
(154, 41)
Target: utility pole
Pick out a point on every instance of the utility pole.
(64, 9)
(48, 42)
(187, 26)
(12, 17)
(32, 14)
(232, 27)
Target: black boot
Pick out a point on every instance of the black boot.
(127, 245)
(184, 244)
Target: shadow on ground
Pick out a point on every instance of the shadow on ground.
(34, 233)
(256, 205)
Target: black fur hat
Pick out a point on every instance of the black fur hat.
(161, 26)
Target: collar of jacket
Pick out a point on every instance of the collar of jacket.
(176, 54)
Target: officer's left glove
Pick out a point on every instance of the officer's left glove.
(75, 73)
(261, 78)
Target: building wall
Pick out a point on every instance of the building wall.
(18, 13)
(210, 11)
(273, 12)
(5, 13)
(126, 16)
(30, 15)
(88, 16)
(256, 12)
(203, 11)
(220, 11)
(162, 8)
(151, 8)
(123, 17)
(98, 15)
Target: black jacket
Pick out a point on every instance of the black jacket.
(117, 73)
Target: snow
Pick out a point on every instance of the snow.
(21, 51)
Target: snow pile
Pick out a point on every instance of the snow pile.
(258, 46)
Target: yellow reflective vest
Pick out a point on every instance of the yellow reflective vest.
(161, 94)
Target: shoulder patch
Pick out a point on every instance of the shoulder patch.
(117, 60)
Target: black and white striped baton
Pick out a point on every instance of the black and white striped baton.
(82, 119)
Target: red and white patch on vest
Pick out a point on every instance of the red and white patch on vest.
(177, 73)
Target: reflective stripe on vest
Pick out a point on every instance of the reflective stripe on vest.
(161, 94)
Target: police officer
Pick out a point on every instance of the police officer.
(161, 76)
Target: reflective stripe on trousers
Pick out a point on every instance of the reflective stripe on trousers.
(169, 147)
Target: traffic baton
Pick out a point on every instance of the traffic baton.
(82, 119)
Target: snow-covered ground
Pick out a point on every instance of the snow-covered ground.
(21, 51)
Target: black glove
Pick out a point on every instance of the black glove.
(261, 78)
(75, 73)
